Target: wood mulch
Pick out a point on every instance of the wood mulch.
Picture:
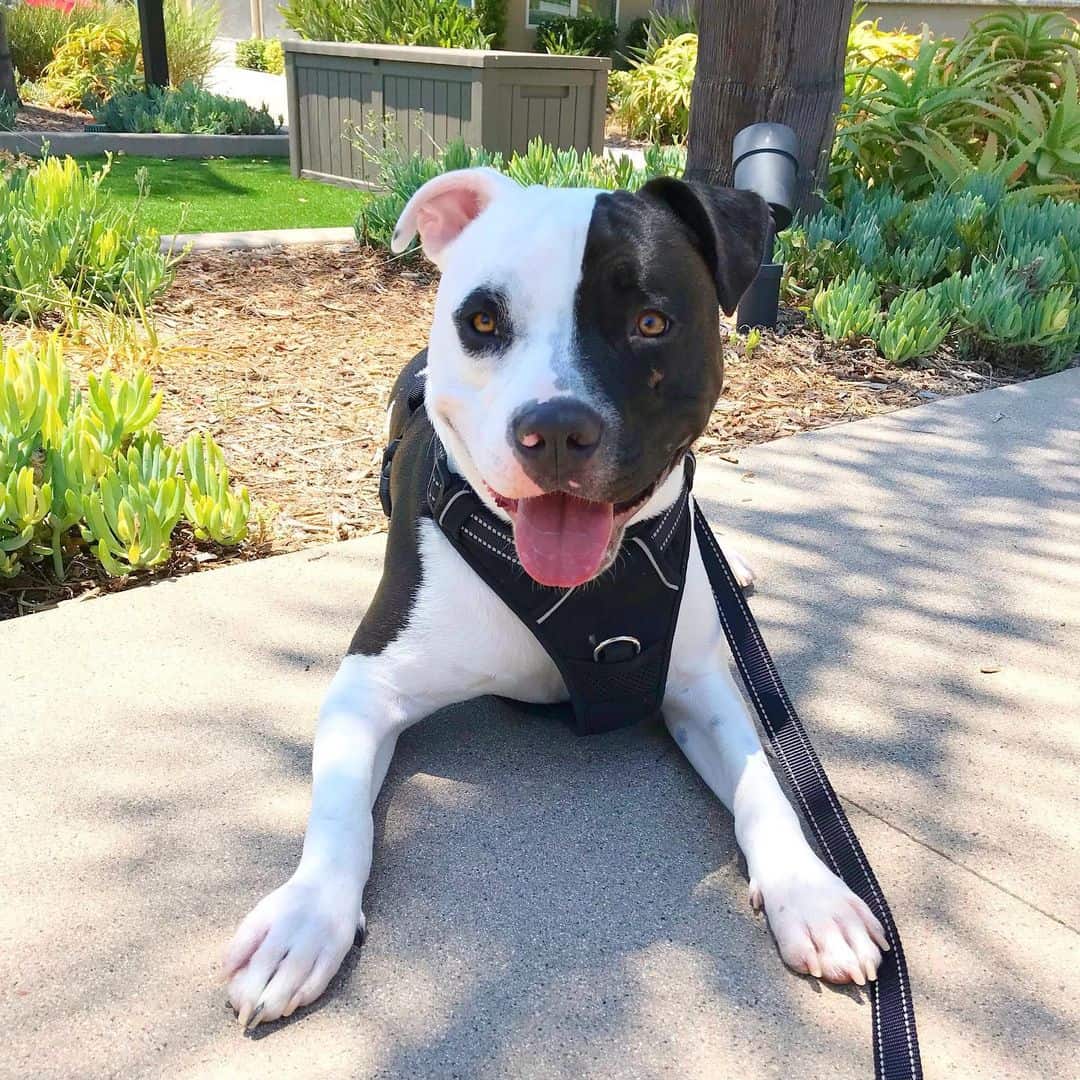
(291, 355)
(43, 118)
(287, 357)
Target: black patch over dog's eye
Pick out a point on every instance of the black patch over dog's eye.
(652, 323)
(483, 321)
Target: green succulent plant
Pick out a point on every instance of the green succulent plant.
(1004, 314)
(89, 472)
(132, 510)
(64, 248)
(216, 512)
(999, 271)
(849, 308)
(913, 327)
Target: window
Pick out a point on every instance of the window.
(538, 10)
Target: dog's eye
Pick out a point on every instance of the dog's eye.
(652, 323)
(483, 322)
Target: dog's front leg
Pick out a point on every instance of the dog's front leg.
(821, 927)
(291, 944)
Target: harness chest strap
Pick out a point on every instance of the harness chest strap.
(611, 640)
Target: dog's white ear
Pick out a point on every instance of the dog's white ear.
(444, 206)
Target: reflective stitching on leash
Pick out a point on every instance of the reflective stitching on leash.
(818, 769)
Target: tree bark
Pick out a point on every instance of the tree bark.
(152, 37)
(8, 87)
(775, 60)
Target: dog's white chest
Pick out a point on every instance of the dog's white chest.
(491, 651)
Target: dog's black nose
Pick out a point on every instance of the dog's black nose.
(554, 439)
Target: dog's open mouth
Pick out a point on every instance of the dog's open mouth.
(563, 541)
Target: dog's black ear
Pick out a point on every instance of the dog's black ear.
(730, 227)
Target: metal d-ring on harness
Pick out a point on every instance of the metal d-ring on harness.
(611, 640)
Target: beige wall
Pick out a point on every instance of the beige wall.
(951, 20)
(520, 38)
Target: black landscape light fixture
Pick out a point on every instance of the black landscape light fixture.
(766, 160)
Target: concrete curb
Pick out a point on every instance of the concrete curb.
(93, 143)
(258, 238)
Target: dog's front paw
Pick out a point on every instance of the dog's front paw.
(821, 927)
(289, 947)
(745, 574)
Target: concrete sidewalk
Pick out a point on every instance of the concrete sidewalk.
(545, 906)
(257, 88)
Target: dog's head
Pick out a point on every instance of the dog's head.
(575, 352)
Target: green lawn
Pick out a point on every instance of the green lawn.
(225, 194)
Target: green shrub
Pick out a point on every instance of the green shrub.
(652, 100)
(492, 16)
(9, 109)
(996, 272)
(186, 110)
(868, 44)
(584, 35)
(1004, 314)
(914, 326)
(102, 56)
(89, 472)
(35, 34)
(441, 23)
(65, 248)
(661, 28)
(848, 308)
(402, 175)
(261, 54)
(93, 61)
(1003, 100)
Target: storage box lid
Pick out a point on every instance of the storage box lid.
(416, 54)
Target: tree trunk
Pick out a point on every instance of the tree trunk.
(8, 87)
(776, 60)
(152, 37)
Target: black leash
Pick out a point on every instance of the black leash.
(896, 1041)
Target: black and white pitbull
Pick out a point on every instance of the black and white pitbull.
(575, 354)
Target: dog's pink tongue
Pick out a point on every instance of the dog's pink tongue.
(561, 540)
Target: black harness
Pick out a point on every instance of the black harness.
(611, 641)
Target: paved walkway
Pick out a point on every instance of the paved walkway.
(255, 87)
(544, 906)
